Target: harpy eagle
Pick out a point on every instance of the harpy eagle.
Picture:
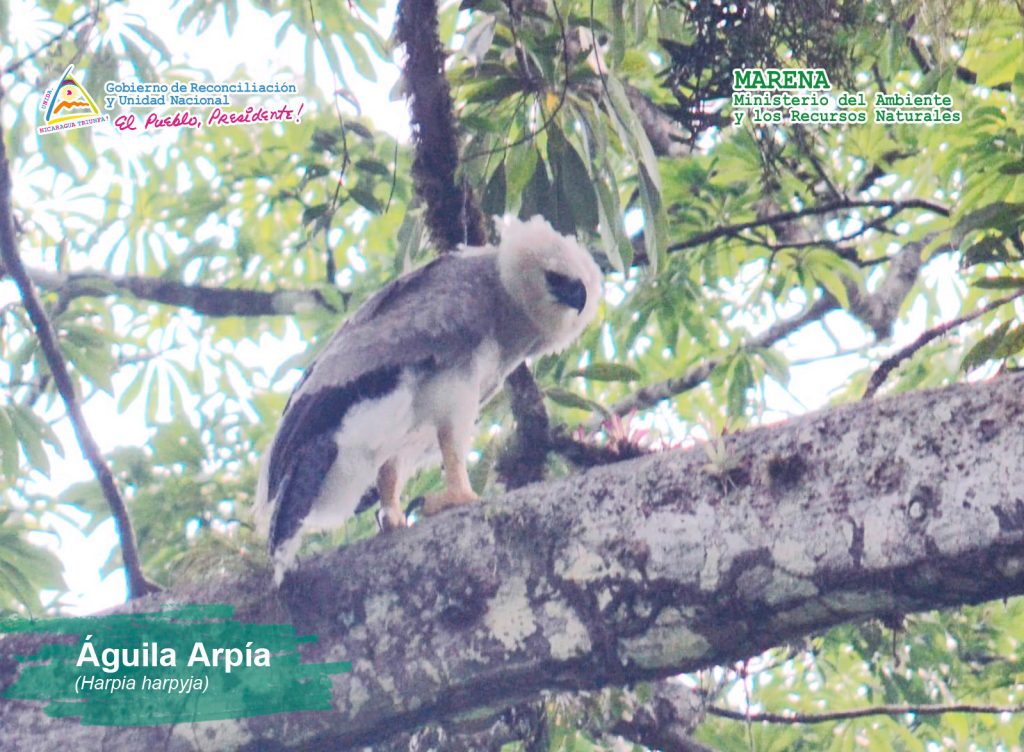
(406, 375)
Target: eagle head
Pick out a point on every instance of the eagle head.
(551, 277)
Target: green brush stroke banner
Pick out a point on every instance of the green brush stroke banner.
(133, 669)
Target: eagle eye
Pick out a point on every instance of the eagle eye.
(567, 290)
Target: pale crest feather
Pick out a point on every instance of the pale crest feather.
(528, 249)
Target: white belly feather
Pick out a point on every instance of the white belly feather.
(402, 426)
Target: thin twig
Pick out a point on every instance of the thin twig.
(328, 216)
(829, 208)
(548, 119)
(889, 364)
(835, 246)
(795, 719)
(137, 583)
(394, 180)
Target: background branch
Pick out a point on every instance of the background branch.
(137, 583)
(877, 310)
(203, 299)
(696, 375)
(830, 207)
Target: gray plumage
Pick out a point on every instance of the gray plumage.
(407, 373)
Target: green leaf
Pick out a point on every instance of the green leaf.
(366, 199)
(493, 201)
(558, 211)
(1000, 215)
(1012, 343)
(1001, 283)
(655, 222)
(95, 364)
(835, 285)
(608, 372)
(152, 397)
(537, 196)
(132, 391)
(313, 212)
(639, 20)
(613, 234)
(316, 170)
(1002, 63)
(1013, 168)
(565, 398)
(494, 90)
(618, 35)
(151, 39)
(31, 438)
(490, 6)
(635, 135)
(481, 469)
(740, 378)
(520, 164)
(578, 187)
(990, 248)
(8, 446)
(374, 167)
(15, 586)
(775, 363)
(25, 569)
(985, 348)
(359, 129)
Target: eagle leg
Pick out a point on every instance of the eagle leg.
(456, 479)
(388, 487)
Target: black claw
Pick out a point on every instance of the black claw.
(368, 499)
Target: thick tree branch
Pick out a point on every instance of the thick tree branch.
(137, 583)
(452, 214)
(203, 299)
(635, 571)
(879, 310)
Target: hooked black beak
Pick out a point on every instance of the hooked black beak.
(567, 290)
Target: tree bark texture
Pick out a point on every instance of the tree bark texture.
(637, 570)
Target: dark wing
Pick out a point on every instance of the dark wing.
(440, 311)
(434, 317)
